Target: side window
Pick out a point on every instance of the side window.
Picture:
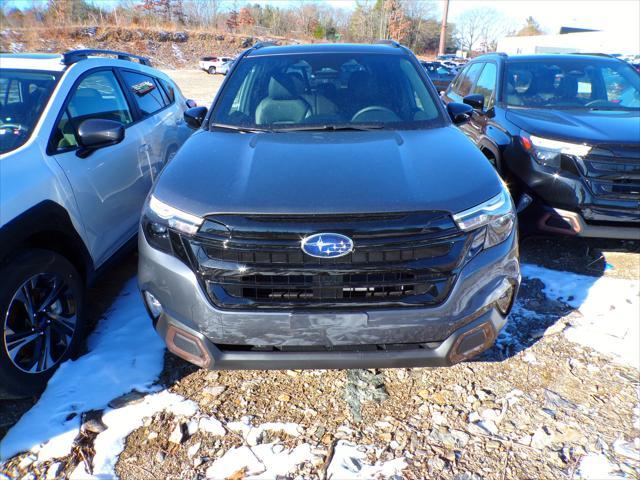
(145, 91)
(97, 96)
(468, 81)
(169, 90)
(486, 84)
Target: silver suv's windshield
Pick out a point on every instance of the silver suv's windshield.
(326, 91)
(23, 96)
(580, 83)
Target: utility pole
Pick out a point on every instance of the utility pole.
(443, 28)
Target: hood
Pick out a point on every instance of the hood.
(583, 126)
(327, 173)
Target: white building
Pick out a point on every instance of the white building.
(615, 43)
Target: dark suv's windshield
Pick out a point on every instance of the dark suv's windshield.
(23, 96)
(337, 90)
(576, 83)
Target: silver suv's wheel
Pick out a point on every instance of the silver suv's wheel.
(212, 70)
(41, 315)
(40, 323)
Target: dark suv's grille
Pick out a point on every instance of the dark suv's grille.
(257, 262)
(613, 173)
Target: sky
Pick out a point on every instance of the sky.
(550, 14)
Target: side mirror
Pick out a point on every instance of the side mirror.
(95, 133)
(195, 116)
(191, 103)
(475, 100)
(459, 112)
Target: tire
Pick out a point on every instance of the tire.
(212, 70)
(54, 289)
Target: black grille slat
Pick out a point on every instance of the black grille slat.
(398, 259)
(613, 172)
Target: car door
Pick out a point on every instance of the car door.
(110, 184)
(485, 86)
(158, 124)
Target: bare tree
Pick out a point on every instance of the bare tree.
(479, 28)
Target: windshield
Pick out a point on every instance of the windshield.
(325, 91)
(23, 95)
(575, 83)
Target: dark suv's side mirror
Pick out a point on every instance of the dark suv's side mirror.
(195, 116)
(475, 100)
(459, 112)
(95, 133)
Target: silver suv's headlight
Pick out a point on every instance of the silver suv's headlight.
(496, 215)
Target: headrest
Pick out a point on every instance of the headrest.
(568, 87)
(281, 87)
(358, 79)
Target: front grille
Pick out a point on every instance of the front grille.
(399, 259)
(613, 173)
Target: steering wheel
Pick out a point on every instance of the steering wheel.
(599, 103)
(387, 114)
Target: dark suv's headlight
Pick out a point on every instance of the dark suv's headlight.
(496, 217)
(158, 218)
(549, 152)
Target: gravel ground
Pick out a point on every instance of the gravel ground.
(532, 407)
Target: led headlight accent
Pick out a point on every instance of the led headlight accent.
(496, 214)
(548, 152)
(176, 219)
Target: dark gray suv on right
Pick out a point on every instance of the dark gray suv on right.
(328, 213)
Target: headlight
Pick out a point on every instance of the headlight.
(549, 152)
(493, 220)
(158, 218)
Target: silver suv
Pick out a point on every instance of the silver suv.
(82, 138)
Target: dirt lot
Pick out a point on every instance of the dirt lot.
(197, 85)
(534, 406)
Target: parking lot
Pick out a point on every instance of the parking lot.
(557, 397)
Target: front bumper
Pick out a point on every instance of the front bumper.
(564, 203)
(463, 326)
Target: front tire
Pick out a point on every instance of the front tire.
(42, 319)
(212, 70)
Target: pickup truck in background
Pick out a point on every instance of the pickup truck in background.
(212, 65)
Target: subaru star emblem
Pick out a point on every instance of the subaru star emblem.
(327, 245)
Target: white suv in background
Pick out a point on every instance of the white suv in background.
(82, 138)
(213, 65)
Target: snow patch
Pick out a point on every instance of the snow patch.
(269, 460)
(125, 353)
(596, 466)
(610, 309)
(350, 462)
(122, 421)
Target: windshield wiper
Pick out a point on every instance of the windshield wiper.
(237, 128)
(322, 128)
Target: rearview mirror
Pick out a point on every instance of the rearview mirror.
(95, 133)
(195, 116)
(475, 100)
(459, 112)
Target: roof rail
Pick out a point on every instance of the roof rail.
(392, 43)
(264, 44)
(595, 54)
(73, 56)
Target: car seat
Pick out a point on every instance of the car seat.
(283, 104)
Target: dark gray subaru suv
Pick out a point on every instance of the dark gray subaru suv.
(328, 213)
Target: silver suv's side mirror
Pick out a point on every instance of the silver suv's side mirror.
(95, 133)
